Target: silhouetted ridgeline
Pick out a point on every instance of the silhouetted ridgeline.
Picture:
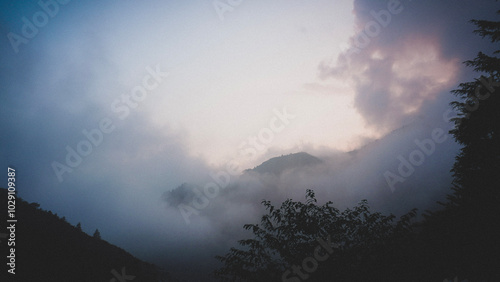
(50, 249)
(279, 164)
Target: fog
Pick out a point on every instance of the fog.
(209, 85)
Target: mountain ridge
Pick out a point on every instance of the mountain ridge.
(48, 248)
(277, 165)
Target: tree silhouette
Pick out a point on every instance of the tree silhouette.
(97, 234)
(461, 240)
(478, 127)
(54, 250)
(79, 226)
(288, 239)
(464, 236)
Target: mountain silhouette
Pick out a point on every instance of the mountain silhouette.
(279, 164)
(48, 248)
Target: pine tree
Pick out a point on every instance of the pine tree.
(463, 238)
(79, 226)
(478, 127)
(97, 234)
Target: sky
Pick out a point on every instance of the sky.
(106, 106)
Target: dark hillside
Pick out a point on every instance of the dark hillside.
(47, 248)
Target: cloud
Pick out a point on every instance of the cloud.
(65, 79)
(398, 63)
(345, 178)
(393, 85)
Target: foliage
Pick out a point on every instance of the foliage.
(464, 236)
(478, 126)
(460, 240)
(50, 249)
(288, 234)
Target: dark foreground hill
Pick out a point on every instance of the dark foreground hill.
(47, 248)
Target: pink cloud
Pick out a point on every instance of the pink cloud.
(392, 83)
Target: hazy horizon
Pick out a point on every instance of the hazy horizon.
(107, 106)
